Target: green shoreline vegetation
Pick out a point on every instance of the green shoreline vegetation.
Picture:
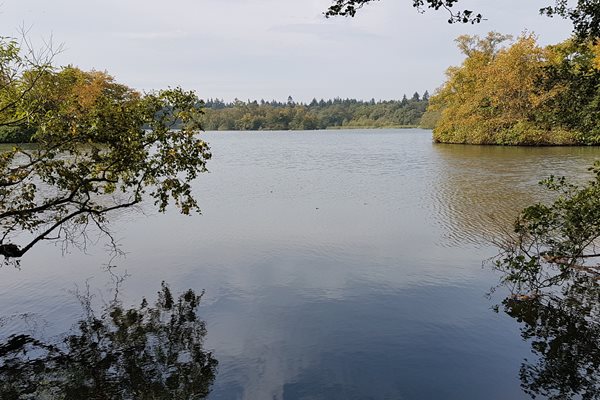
(324, 114)
(350, 127)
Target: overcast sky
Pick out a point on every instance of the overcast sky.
(267, 48)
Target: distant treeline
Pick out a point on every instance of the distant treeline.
(318, 114)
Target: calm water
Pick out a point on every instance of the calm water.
(337, 265)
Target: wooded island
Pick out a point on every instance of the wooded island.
(521, 93)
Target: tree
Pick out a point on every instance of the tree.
(585, 15)
(16, 65)
(100, 146)
(520, 93)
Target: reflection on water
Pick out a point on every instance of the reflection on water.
(479, 190)
(563, 330)
(337, 265)
(147, 352)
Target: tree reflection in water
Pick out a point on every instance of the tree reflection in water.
(559, 315)
(148, 352)
(564, 332)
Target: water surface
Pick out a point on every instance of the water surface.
(337, 265)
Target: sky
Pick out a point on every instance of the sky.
(267, 49)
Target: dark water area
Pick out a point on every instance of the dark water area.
(336, 265)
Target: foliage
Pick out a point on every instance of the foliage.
(350, 7)
(254, 115)
(552, 241)
(138, 353)
(520, 94)
(585, 15)
(572, 80)
(430, 118)
(550, 265)
(564, 333)
(100, 146)
(16, 134)
(20, 72)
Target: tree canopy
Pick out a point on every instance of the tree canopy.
(100, 146)
(520, 93)
(585, 15)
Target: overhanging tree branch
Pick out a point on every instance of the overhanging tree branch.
(585, 14)
(100, 147)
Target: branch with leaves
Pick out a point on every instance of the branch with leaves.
(552, 244)
(585, 15)
(348, 8)
(99, 147)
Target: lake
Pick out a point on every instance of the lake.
(336, 264)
